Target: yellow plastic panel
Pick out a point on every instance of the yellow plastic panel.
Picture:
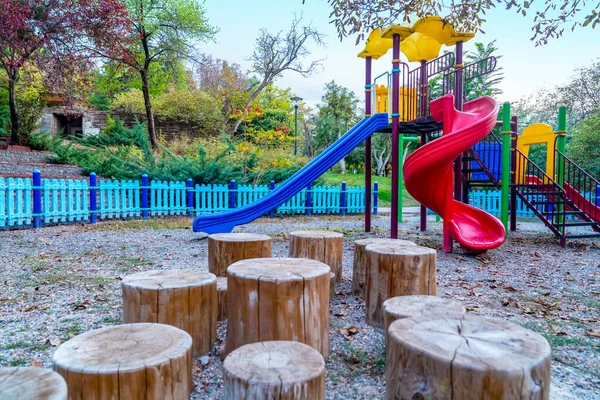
(376, 46)
(419, 47)
(537, 134)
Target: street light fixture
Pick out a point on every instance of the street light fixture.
(296, 102)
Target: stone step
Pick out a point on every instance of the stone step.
(26, 156)
(51, 171)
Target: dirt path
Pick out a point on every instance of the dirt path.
(58, 282)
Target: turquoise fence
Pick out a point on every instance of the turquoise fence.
(36, 201)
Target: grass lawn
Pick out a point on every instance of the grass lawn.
(385, 186)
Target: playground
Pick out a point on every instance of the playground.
(442, 300)
(60, 282)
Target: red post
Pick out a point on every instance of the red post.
(395, 133)
(368, 155)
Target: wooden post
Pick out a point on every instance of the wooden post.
(225, 249)
(278, 299)
(184, 299)
(468, 357)
(221, 298)
(360, 259)
(31, 384)
(396, 271)
(132, 361)
(274, 370)
(324, 246)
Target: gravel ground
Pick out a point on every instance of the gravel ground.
(61, 281)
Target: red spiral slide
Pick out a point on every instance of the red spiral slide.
(428, 173)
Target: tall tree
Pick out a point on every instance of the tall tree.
(51, 34)
(339, 103)
(486, 84)
(161, 32)
(275, 53)
(551, 17)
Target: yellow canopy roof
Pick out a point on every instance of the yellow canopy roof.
(421, 42)
(376, 46)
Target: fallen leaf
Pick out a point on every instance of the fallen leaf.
(593, 332)
(353, 330)
(510, 288)
(98, 298)
(343, 331)
(505, 302)
(53, 342)
(36, 363)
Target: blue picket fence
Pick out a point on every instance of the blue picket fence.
(35, 202)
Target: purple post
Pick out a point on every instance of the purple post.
(343, 200)
(232, 194)
(395, 132)
(308, 206)
(37, 199)
(145, 196)
(458, 104)
(368, 151)
(190, 197)
(423, 92)
(271, 188)
(598, 196)
(375, 198)
(93, 198)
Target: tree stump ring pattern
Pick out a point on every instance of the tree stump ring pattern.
(131, 361)
(468, 357)
(274, 370)
(31, 384)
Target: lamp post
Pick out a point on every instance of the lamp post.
(296, 102)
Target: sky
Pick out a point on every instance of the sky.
(526, 68)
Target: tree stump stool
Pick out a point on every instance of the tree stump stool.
(278, 299)
(360, 259)
(31, 384)
(221, 298)
(396, 271)
(183, 299)
(468, 357)
(132, 361)
(225, 249)
(419, 307)
(274, 370)
(324, 246)
(331, 285)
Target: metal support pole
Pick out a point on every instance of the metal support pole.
(513, 167)
(368, 151)
(295, 129)
(506, 134)
(395, 132)
(271, 188)
(559, 162)
(423, 112)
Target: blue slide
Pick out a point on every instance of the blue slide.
(225, 222)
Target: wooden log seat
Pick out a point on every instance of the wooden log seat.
(221, 298)
(131, 361)
(181, 298)
(31, 384)
(324, 246)
(225, 249)
(274, 370)
(278, 299)
(360, 259)
(466, 357)
(396, 271)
